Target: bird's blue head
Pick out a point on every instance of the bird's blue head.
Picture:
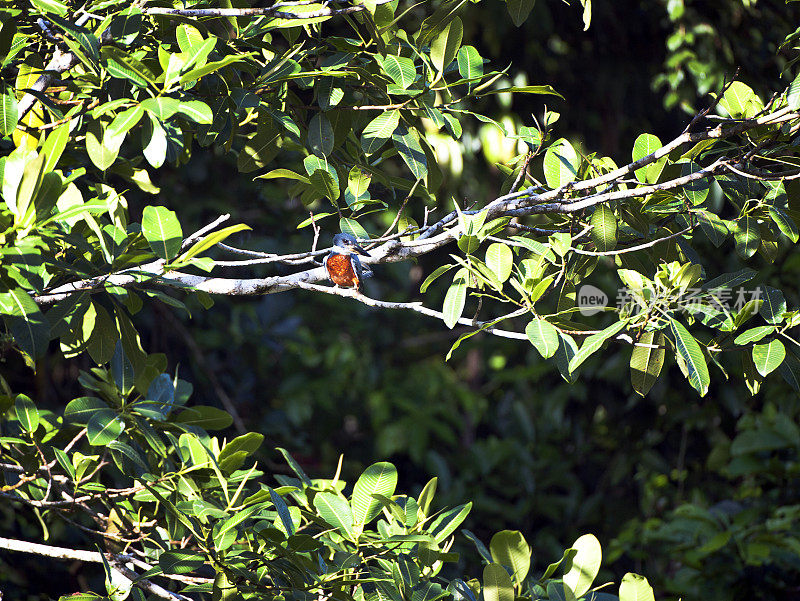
(345, 244)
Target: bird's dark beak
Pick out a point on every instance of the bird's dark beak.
(360, 250)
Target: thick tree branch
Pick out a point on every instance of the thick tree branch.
(117, 561)
(268, 11)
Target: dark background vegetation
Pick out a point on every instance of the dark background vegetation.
(653, 478)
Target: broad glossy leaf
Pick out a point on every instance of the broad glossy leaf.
(400, 68)
(446, 44)
(497, 584)
(162, 230)
(604, 228)
(753, 334)
(79, 411)
(9, 114)
(785, 223)
(123, 122)
(336, 511)
(736, 98)
(456, 298)
(470, 63)
(104, 427)
(774, 305)
(593, 343)
(379, 478)
(210, 240)
(379, 130)
(635, 588)
(180, 562)
(519, 10)
(768, 357)
(320, 135)
(500, 259)
(26, 412)
(197, 111)
(644, 145)
(543, 336)
(28, 325)
(509, 549)
(407, 144)
(447, 522)
(208, 418)
(689, 351)
(747, 236)
(646, 362)
(561, 163)
(793, 94)
(585, 564)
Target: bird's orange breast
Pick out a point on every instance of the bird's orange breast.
(340, 269)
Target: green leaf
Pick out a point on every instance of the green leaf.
(604, 228)
(320, 135)
(161, 107)
(542, 89)
(793, 94)
(401, 69)
(104, 427)
(324, 184)
(519, 10)
(543, 336)
(442, 269)
(210, 240)
(785, 223)
(497, 585)
(500, 259)
(122, 65)
(79, 411)
(470, 63)
(456, 298)
(27, 414)
(560, 163)
(509, 549)
(379, 130)
(736, 98)
(203, 416)
(283, 512)
(447, 522)
(446, 44)
(213, 66)
(747, 236)
(180, 562)
(51, 6)
(774, 305)
(335, 510)
(26, 322)
(162, 230)
(644, 145)
(713, 227)
(378, 479)
(646, 362)
(328, 95)
(295, 466)
(197, 111)
(407, 144)
(9, 113)
(123, 122)
(54, 146)
(768, 357)
(692, 356)
(593, 343)
(635, 588)
(585, 564)
(285, 173)
(154, 143)
(754, 334)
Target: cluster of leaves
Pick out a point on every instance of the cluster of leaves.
(656, 240)
(146, 476)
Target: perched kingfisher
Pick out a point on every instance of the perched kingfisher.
(342, 264)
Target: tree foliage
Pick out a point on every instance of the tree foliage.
(347, 110)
